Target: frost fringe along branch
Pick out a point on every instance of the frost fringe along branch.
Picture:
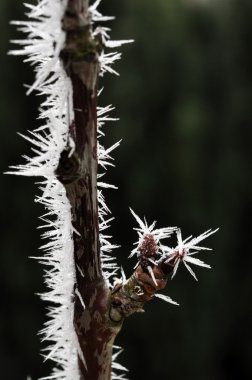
(65, 43)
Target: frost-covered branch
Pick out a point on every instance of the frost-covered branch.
(68, 47)
(67, 50)
(156, 263)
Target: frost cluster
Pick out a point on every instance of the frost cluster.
(182, 253)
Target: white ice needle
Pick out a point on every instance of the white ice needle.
(184, 250)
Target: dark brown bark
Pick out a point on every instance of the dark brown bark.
(78, 173)
(98, 313)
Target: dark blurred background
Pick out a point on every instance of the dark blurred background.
(184, 98)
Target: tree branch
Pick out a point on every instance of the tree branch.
(84, 306)
(77, 171)
(149, 277)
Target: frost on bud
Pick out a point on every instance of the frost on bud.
(182, 252)
(144, 230)
(157, 261)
